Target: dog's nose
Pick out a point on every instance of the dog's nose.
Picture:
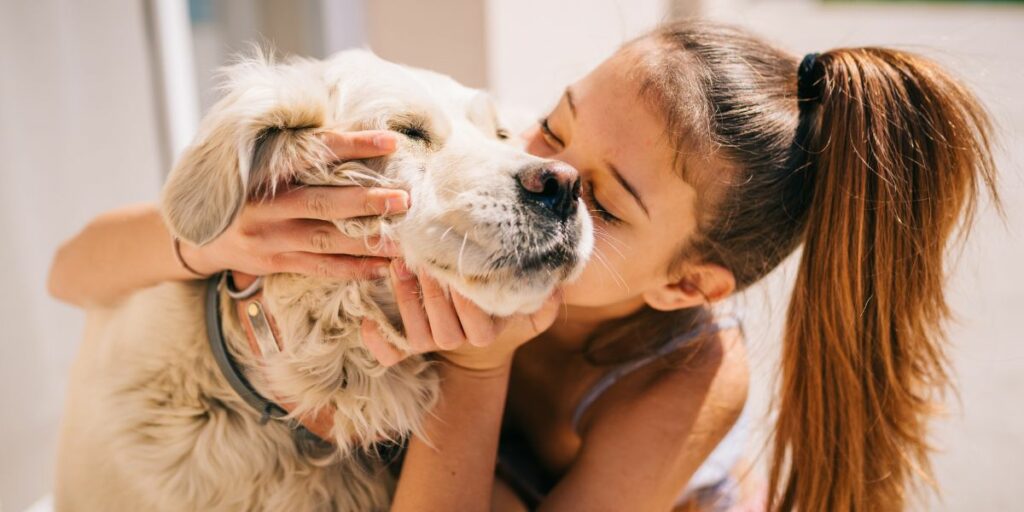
(555, 185)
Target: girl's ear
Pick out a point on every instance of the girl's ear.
(700, 284)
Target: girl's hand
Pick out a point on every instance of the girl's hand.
(293, 231)
(449, 323)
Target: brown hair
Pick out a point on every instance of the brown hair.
(873, 178)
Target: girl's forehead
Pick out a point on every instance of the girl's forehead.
(635, 128)
(619, 123)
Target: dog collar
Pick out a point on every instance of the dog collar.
(263, 340)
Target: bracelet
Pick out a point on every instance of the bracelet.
(181, 260)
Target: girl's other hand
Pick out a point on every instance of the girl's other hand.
(441, 320)
(294, 232)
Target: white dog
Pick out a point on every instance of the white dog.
(155, 421)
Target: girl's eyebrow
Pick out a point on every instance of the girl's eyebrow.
(611, 168)
(629, 188)
(569, 100)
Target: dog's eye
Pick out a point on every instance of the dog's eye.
(501, 133)
(414, 132)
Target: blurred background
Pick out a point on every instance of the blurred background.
(97, 97)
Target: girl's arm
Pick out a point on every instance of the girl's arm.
(118, 252)
(452, 466)
(131, 248)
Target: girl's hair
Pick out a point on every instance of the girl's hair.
(873, 175)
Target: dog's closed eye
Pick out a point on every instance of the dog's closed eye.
(414, 132)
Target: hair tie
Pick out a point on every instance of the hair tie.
(808, 81)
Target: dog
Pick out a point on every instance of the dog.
(155, 421)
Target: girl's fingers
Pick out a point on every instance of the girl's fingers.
(543, 318)
(527, 327)
(480, 328)
(331, 266)
(414, 318)
(317, 236)
(444, 321)
(385, 353)
(331, 203)
(356, 145)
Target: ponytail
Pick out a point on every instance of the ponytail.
(874, 170)
(895, 151)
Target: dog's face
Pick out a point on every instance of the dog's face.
(500, 226)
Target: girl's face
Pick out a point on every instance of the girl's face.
(642, 208)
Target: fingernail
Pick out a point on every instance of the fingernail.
(399, 202)
(385, 142)
(402, 271)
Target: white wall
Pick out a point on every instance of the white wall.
(78, 136)
(523, 51)
(537, 47)
(448, 36)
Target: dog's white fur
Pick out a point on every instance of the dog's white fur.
(151, 424)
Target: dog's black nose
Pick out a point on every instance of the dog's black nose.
(555, 185)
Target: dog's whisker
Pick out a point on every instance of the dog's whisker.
(615, 275)
(618, 251)
(462, 249)
(598, 230)
(515, 251)
(605, 237)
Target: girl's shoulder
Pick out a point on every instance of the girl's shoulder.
(664, 420)
(712, 369)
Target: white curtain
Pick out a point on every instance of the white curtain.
(78, 135)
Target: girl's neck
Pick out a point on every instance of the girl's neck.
(575, 324)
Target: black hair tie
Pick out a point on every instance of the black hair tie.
(809, 81)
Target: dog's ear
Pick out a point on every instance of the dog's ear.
(262, 131)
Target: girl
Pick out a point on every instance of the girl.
(708, 156)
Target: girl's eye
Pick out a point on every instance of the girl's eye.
(598, 208)
(549, 136)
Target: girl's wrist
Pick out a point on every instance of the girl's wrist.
(190, 258)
